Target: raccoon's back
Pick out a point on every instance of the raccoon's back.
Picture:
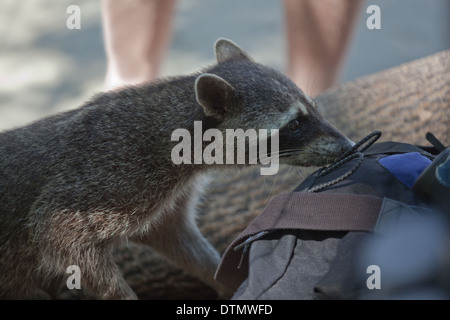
(27, 160)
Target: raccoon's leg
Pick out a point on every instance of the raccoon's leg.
(17, 265)
(178, 238)
(52, 286)
(98, 275)
(103, 279)
(76, 239)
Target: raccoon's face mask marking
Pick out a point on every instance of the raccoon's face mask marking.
(308, 141)
(240, 93)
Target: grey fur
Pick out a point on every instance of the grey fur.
(75, 184)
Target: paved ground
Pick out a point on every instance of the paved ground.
(46, 68)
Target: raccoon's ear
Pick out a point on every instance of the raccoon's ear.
(214, 94)
(228, 50)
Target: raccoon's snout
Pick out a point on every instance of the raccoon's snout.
(340, 147)
(346, 145)
(326, 150)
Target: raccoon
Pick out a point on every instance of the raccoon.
(75, 184)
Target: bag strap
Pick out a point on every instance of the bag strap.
(302, 211)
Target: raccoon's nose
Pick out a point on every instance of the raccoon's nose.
(346, 145)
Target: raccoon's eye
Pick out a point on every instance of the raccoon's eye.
(294, 125)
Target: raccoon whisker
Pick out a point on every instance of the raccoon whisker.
(290, 150)
(280, 154)
(272, 157)
(272, 188)
(308, 88)
(315, 163)
(289, 171)
(300, 173)
(286, 152)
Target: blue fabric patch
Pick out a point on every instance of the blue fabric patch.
(406, 167)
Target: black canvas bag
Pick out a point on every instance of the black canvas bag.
(305, 244)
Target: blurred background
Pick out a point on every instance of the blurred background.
(46, 68)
